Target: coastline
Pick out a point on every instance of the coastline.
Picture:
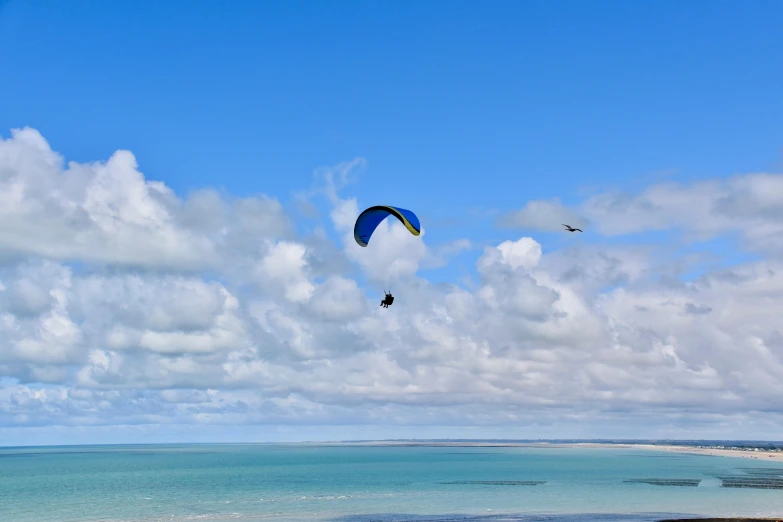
(754, 453)
(750, 453)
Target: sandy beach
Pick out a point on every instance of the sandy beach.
(722, 520)
(718, 452)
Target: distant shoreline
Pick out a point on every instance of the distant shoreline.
(744, 451)
(759, 450)
(721, 520)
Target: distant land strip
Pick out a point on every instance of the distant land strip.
(745, 449)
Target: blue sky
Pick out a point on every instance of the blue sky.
(464, 111)
(454, 104)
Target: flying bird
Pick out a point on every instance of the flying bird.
(571, 229)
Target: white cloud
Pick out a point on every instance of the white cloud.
(547, 216)
(108, 213)
(338, 299)
(750, 204)
(283, 332)
(285, 265)
(525, 252)
(35, 325)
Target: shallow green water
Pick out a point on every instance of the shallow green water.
(253, 482)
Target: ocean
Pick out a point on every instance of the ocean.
(310, 482)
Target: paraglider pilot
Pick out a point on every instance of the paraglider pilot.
(389, 299)
(369, 220)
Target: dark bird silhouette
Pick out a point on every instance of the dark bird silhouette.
(571, 229)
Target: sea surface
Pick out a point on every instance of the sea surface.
(302, 482)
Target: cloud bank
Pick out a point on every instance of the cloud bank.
(123, 304)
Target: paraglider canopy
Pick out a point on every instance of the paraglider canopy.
(369, 220)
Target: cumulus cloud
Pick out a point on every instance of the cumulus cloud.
(338, 299)
(285, 265)
(750, 205)
(546, 216)
(107, 212)
(210, 310)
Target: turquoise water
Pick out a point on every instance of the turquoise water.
(359, 483)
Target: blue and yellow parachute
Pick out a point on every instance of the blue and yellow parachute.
(369, 220)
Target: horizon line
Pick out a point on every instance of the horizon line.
(407, 440)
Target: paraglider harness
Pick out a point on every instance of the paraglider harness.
(389, 299)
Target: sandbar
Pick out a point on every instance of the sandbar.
(749, 453)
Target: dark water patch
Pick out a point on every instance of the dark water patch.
(666, 482)
(498, 482)
(751, 482)
(588, 517)
(755, 478)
